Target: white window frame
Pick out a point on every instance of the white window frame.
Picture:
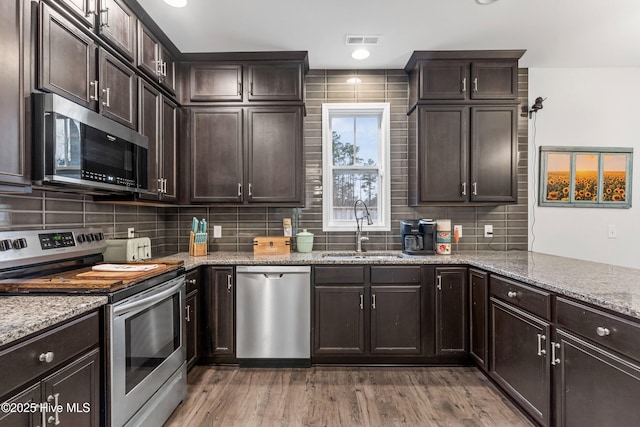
(383, 110)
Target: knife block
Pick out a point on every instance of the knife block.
(196, 249)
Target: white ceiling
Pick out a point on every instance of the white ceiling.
(555, 33)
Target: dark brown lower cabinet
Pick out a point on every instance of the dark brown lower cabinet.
(478, 317)
(218, 314)
(519, 361)
(451, 311)
(338, 320)
(594, 386)
(367, 313)
(192, 317)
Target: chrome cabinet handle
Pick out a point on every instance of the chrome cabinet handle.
(361, 302)
(464, 188)
(464, 85)
(94, 85)
(188, 308)
(104, 17)
(555, 360)
(164, 68)
(159, 185)
(602, 332)
(239, 190)
(91, 8)
(47, 357)
(158, 68)
(239, 88)
(228, 283)
(251, 88)
(164, 189)
(373, 301)
(475, 188)
(541, 350)
(107, 92)
(54, 419)
(439, 283)
(250, 190)
(512, 294)
(43, 412)
(475, 84)
(191, 281)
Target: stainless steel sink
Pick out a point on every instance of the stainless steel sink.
(362, 255)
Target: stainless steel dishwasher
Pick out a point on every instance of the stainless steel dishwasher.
(273, 315)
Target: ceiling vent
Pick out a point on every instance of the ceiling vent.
(358, 39)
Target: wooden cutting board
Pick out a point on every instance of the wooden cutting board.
(106, 275)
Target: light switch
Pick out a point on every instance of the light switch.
(217, 231)
(612, 234)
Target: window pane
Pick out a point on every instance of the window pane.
(349, 187)
(343, 141)
(558, 176)
(355, 140)
(586, 185)
(615, 178)
(367, 141)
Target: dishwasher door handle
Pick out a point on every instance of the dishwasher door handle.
(273, 276)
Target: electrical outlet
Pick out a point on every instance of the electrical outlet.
(131, 232)
(217, 231)
(612, 234)
(488, 230)
(458, 228)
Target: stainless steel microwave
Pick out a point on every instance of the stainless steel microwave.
(79, 149)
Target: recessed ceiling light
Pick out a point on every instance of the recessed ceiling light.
(360, 54)
(354, 81)
(176, 3)
(481, 1)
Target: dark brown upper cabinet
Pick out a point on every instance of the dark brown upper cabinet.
(158, 117)
(117, 89)
(71, 66)
(15, 87)
(117, 25)
(462, 154)
(247, 155)
(155, 60)
(459, 76)
(271, 81)
(215, 83)
(83, 10)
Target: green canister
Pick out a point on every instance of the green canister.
(304, 241)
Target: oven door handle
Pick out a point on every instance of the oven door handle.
(145, 301)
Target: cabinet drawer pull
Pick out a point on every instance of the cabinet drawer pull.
(541, 351)
(188, 318)
(475, 84)
(361, 302)
(104, 17)
(602, 332)
(554, 356)
(191, 281)
(94, 85)
(46, 357)
(54, 419)
(464, 188)
(373, 301)
(439, 283)
(228, 283)
(464, 85)
(512, 294)
(107, 101)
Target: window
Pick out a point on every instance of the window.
(355, 152)
(585, 176)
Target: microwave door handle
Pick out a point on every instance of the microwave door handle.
(147, 301)
(420, 243)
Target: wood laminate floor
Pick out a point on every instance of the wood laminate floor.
(343, 396)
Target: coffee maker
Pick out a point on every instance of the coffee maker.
(418, 236)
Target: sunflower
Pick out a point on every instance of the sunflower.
(565, 190)
(616, 198)
(564, 199)
(587, 194)
(551, 182)
(553, 195)
(608, 190)
(595, 198)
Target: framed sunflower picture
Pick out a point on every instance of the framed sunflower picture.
(585, 176)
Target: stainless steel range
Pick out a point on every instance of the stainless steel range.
(144, 322)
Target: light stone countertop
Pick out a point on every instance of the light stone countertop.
(24, 315)
(604, 285)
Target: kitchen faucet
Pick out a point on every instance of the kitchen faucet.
(359, 237)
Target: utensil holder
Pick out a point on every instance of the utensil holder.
(197, 249)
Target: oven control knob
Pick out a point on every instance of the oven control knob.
(96, 237)
(89, 237)
(100, 236)
(80, 238)
(20, 243)
(5, 245)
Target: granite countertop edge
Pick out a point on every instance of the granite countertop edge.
(603, 285)
(21, 316)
